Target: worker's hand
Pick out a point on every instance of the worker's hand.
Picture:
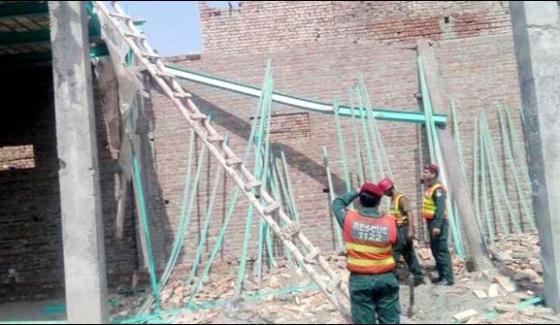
(410, 234)
(358, 189)
(436, 232)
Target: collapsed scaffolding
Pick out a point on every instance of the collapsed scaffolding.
(270, 175)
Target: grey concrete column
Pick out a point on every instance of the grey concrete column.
(536, 33)
(82, 223)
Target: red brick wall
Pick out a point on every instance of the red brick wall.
(30, 220)
(258, 26)
(474, 51)
(481, 74)
(313, 73)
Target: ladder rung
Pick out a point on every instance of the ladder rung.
(151, 56)
(134, 35)
(252, 184)
(233, 162)
(334, 284)
(125, 17)
(216, 138)
(165, 74)
(182, 95)
(290, 230)
(199, 117)
(311, 256)
(272, 208)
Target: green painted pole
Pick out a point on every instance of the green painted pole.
(361, 173)
(257, 173)
(336, 229)
(341, 147)
(366, 137)
(139, 192)
(207, 222)
(515, 172)
(484, 182)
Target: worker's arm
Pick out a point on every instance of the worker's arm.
(405, 207)
(397, 244)
(340, 203)
(439, 198)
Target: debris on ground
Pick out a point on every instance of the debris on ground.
(518, 257)
(286, 296)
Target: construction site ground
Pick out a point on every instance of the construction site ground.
(287, 296)
(512, 295)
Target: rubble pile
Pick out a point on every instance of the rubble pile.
(518, 256)
(301, 300)
(286, 295)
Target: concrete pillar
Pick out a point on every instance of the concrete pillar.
(82, 223)
(536, 33)
(478, 257)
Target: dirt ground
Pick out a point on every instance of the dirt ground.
(289, 297)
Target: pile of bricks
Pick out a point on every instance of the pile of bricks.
(518, 256)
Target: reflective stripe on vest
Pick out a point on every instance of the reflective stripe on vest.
(369, 243)
(429, 205)
(396, 211)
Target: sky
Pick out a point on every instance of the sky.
(172, 27)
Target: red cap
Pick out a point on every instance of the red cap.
(371, 188)
(385, 184)
(432, 167)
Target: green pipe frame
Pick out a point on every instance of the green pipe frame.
(341, 147)
(139, 191)
(515, 173)
(336, 229)
(207, 222)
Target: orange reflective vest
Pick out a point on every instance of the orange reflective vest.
(396, 211)
(429, 204)
(369, 243)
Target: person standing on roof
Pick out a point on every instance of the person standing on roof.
(434, 211)
(369, 238)
(401, 210)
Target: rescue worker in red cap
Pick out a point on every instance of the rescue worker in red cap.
(401, 210)
(369, 238)
(435, 212)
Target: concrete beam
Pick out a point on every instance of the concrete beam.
(478, 257)
(536, 34)
(82, 223)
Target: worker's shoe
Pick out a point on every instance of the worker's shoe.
(436, 280)
(444, 282)
(418, 281)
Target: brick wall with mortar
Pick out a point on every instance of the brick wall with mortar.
(231, 113)
(317, 52)
(474, 50)
(481, 74)
(258, 26)
(30, 220)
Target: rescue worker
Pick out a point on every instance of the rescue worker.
(435, 212)
(401, 210)
(369, 237)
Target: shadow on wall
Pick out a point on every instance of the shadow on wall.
(125, 256)
(242, 129)
(294, 158)
(162, 233)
